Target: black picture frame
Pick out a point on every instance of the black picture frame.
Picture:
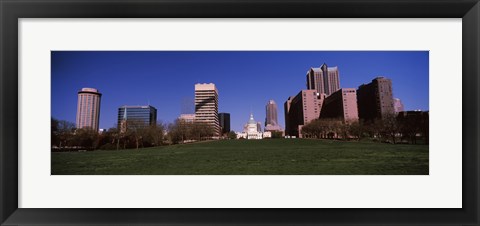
(12, 10)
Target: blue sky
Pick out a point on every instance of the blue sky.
(246, 80)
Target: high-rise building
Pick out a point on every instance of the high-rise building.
(136, 117)
(206, 105)
(315, 80)
(375, 99)
(300, 110)
(271, 119)
(224, 119)
(324, 79)
(286, 109)
(88, 109)
(397, 105)
(341, 105)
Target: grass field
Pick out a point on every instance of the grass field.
(251, 157)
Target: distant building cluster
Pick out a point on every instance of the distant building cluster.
(253, 130)
(324, 98)
(206, 110)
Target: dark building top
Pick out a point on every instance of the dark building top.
(224, 119)
(375, 99)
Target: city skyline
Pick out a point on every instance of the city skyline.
(163, 79)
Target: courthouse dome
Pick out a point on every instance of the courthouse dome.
(252, 121)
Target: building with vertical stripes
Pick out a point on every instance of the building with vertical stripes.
(88, 109)
(271, 117)
(324, 79)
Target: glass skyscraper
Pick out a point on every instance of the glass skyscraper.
(224, 119)
(137, 116)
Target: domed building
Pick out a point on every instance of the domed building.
(253, 130)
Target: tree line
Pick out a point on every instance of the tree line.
(131, 135)
(402, 128)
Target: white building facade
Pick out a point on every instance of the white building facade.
(251, 130)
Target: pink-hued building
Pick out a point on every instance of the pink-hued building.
(341, 105)
(324, 79)
(271, 119)
(300, 110)
(88, 109)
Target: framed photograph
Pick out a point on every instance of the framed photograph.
(239, 112)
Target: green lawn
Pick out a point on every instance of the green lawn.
(251, 157)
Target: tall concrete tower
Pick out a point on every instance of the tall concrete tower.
(271, 118)
(323, 79)
(206, 105)
(88, 109)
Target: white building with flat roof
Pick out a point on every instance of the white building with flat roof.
(206, 105)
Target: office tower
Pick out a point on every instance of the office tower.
(397, 105)
(206, 105)
(224, 119)
(375, 99)
(341, 105)
(330, 79)
(324, 79)
(136, 117)
(271, 119)
(315, 80)
(302, 109)
(88, 108)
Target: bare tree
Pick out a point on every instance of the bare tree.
(390, 126)
(61, 132)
